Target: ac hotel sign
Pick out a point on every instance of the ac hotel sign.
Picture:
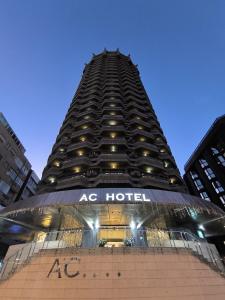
(113, 197)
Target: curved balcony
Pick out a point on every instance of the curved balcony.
(148, 146)
(76, 161)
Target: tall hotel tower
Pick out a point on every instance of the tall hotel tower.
(111, 136)
(112, 215)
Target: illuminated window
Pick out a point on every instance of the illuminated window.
(112, 122)
(113, 135)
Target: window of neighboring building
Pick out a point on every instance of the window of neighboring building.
(209, 173)
(217, 186)
(18, 181)
(12, 174)
(222, 199)
(198, 184)
(221, 160)
(203, 163)
(4, 187)
(204, 196)
(194, 175)
(214, 150)
(2, 140)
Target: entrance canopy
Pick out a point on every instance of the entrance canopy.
(94, 208)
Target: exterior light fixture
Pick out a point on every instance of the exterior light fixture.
(140, 127)
(84, 127)
(83, 138)
(113, 135)
(148, 169)
(142, 139)
(51, 179)
(112, 113)
(87, 117)
(132, 225)
(112, 104)
(162, 150)
(112, 122)
(200, 226)
(77, 169)
(56, 163)
(80, 152)
(114, 165)
(173, 180)
(97, 224)
(113, 148)
(61, 150)
(146, 153)
(166, 164)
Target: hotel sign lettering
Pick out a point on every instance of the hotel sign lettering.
(115, 197)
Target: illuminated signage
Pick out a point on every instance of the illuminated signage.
(113, 197)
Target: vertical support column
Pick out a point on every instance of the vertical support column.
(89, 238)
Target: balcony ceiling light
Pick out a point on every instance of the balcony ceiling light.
(113, 135)
(114, 165)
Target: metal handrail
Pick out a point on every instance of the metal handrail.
(138, 239)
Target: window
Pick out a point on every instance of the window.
(198, 184)
(18, 181)
(18, 162)
(4, 187)
(203, 163)
(214, 151)
(12, 174)
(222, 199)
(209, 173)
(194, 175)
(218, 187)
(204, 196)
(221, 160)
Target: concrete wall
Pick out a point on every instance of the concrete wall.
(114, 274)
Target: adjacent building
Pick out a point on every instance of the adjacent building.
(205, 169)
(15, 169)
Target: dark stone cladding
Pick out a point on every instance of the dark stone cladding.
(111, 136)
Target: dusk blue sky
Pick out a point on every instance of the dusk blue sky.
(179, 47)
